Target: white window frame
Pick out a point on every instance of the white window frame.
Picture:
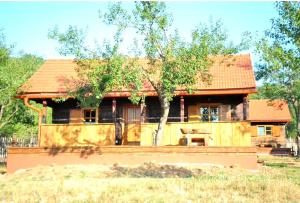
(209, 112)
(90, 109)
(265, 130)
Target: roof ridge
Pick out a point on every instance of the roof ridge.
(59, 59)
(217, 55)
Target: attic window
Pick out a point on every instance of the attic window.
(90, 115)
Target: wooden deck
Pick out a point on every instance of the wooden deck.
(130, 149)
(274, 151)
(22, 157)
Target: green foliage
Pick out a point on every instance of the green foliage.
(4, 49)
(73, 40)
(280, 58)
(14, 72)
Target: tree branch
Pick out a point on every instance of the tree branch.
(10, 117)
(1, 111)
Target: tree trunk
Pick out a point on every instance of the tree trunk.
(298, 141)
(298, 133)
(165, 107)
(296, 108)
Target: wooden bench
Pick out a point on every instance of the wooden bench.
(198, 137)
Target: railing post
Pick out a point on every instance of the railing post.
(40, 113)
(245, 107)
(143, 108)
(181, 109)
(114, 107)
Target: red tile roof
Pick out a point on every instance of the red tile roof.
(230, 73)
(265, 110)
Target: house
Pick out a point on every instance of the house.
(268, 122)
(212, 115)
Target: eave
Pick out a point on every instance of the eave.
(228, 91)
(271, 121)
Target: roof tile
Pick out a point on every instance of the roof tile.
(265, 110)
(230, 72)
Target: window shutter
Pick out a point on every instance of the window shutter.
(254, 131)
(276, 131)
(76, 116)
(194, 114)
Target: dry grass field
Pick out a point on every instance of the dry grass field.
(277, 180)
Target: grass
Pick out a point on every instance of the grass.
(278, 180)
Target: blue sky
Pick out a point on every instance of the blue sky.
(26, 24)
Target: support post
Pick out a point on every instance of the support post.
(40, 113)
(245, 107)
(114, 108)
(143, 110)
(44, 111)
(181, 109)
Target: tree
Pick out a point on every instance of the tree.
(279, 66)
(14, 72)
(169, 61)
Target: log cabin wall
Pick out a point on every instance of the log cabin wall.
(153, 110)
(69, 111)
(61, 112)
(105, 114)
(275, 137)
(230, 106)
(230, 109)
(105, 109)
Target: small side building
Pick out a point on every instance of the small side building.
(268, 122)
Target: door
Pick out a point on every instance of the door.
(132, 119)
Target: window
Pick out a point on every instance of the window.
(209, 113)
(268, 130)
(106, 115)
(263, 130)
(89, 115)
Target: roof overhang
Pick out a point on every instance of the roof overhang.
(228, 91)
(271, 121)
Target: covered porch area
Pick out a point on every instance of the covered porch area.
(214, 120)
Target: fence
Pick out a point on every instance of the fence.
(16, 142)
(292, 143)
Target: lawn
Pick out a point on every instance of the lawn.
(277, 180)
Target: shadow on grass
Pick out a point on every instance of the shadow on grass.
(2, 168)
(154, 171)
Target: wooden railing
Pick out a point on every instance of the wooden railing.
(216, 134)
(77, 135)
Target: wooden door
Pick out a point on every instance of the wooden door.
(132, 119)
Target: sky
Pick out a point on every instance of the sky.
(26, 24)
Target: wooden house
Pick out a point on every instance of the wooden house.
(268, 122)
(215, 114)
